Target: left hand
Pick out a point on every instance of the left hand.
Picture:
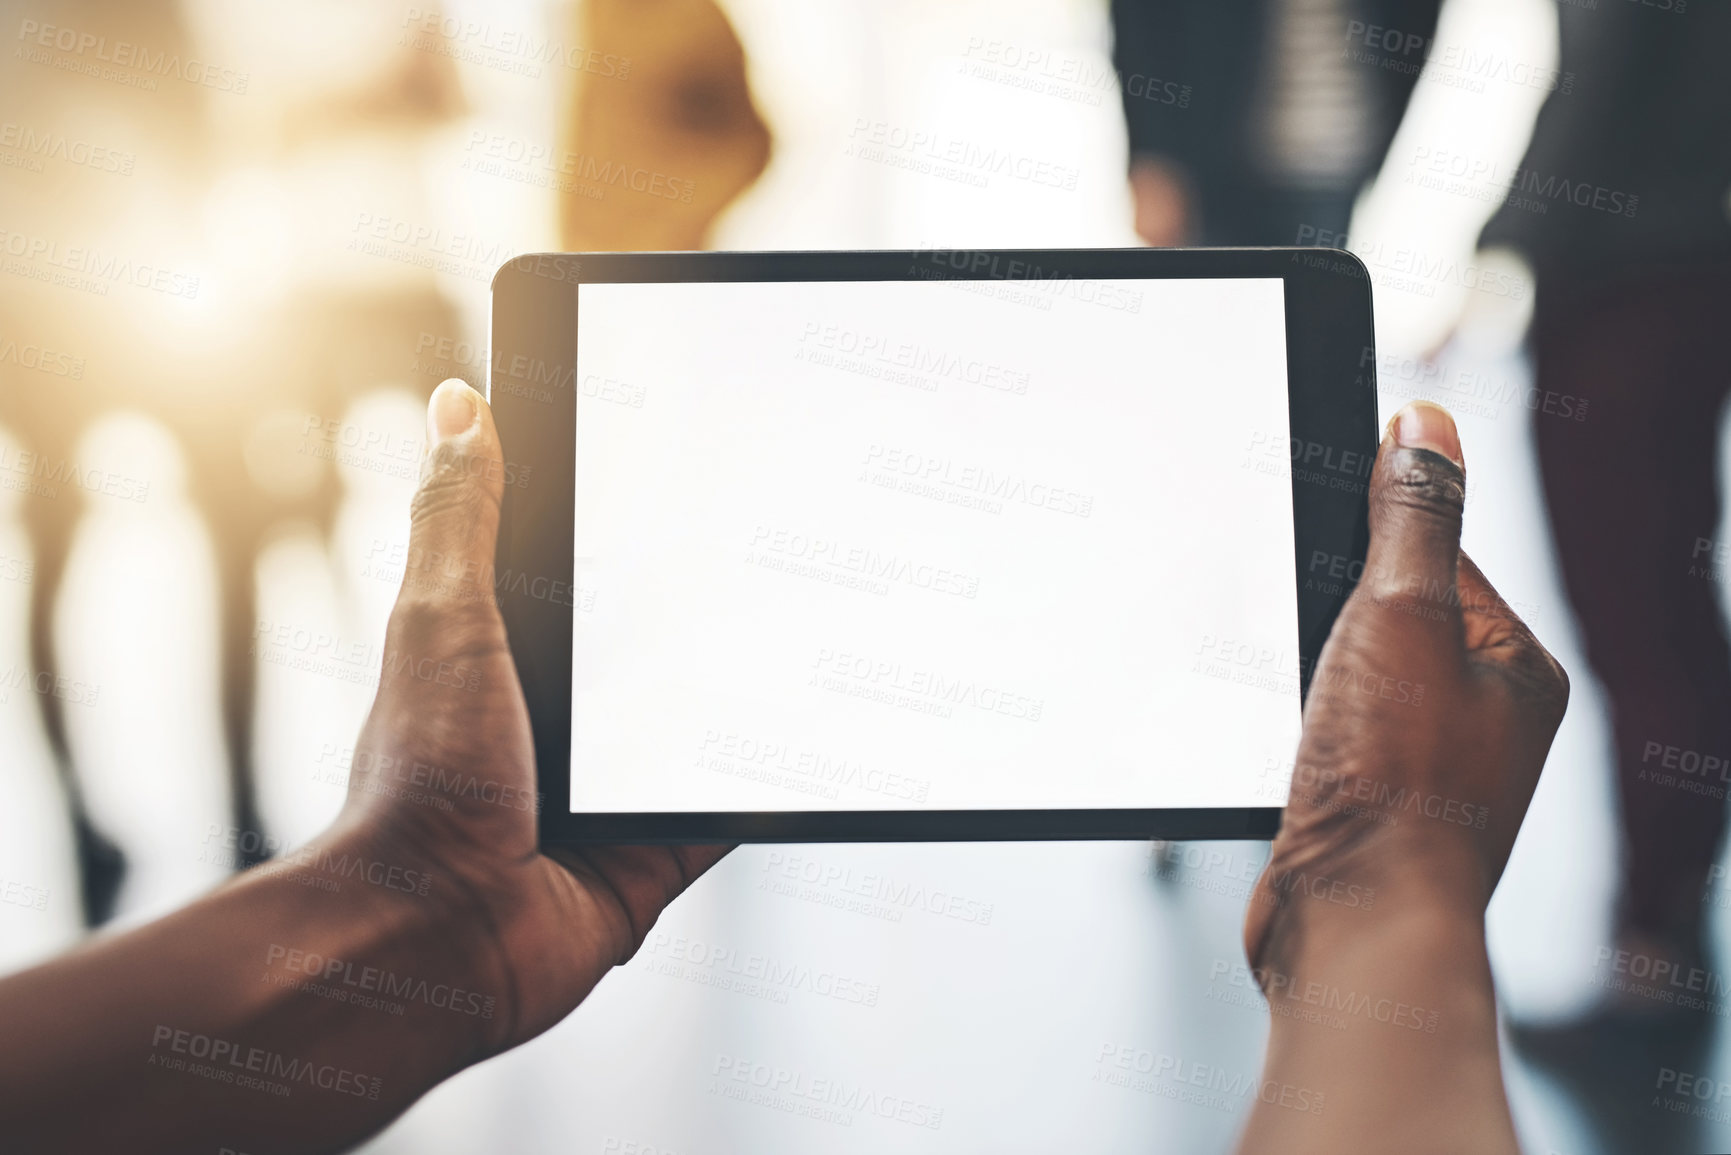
(444, 770)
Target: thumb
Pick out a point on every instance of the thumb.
(1417, 495)
(454, 517)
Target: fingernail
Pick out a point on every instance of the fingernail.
(1423, 425)
(451, 412)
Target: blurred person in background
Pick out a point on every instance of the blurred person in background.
(1630, 241)
(310, 348)
(1248, 123)
(314, 348)
(688, 112)
(216, 1027)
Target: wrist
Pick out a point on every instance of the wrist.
(1319, 940)
(432, 935)
(1411, 974)
(1309, 905)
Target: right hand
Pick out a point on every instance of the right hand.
(1429, 717)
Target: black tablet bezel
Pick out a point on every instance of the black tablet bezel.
(532, 386)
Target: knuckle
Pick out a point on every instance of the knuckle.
(1425, 483)
(416, 624)
(1414, 596)
(1538, 677)
(450, 481)
(1532, 675)
(427, 627)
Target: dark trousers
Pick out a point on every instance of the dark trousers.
(1632, 493)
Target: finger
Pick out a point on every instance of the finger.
(1496, 635)
(694, 860)
(454, 517)
(445, 635)
(1490, 622)
(1417, 493)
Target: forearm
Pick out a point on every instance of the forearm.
(299, 1008)
(1392, 1022)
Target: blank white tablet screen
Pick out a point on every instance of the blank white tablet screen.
(932, 545)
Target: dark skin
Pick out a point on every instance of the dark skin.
(499, 920)
(430, 892)
(561, 919)
(1419, 796)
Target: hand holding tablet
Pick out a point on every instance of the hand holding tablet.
(926, 545)
(517, 934)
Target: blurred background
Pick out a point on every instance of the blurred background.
(240, 242)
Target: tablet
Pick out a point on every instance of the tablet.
(940, 544)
